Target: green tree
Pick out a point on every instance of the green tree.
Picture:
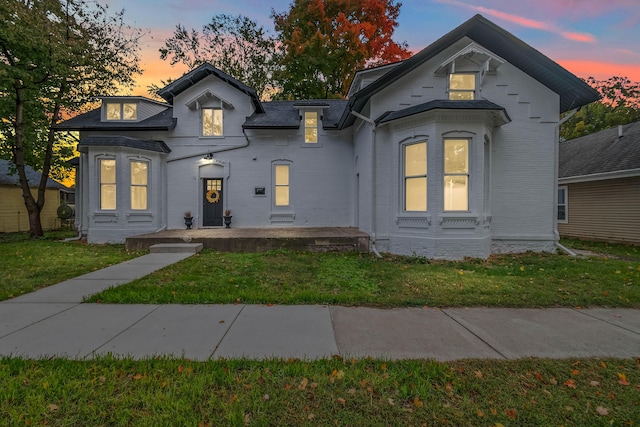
(234, 44)
(620, 104)
(326, 42)
(54, 58)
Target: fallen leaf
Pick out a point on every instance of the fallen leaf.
(164, 384)
(511, 413)
(622, 379)
(180, 368)
(383, 366)
(522, 268)
(417, 402)
(602, 410)
(287, 386)
(204, 424)
(137, 377)
(342, 401)
(314, 385)
(391, 402)
(53, 407)
(478, 374)
(351, 391)
(570, 383)
(303, 384)
(310, 417)
(594, 383)
(553, 381)
(265, 397)
(493, 411)
(575, 372)
(480, 413)
(539, 377)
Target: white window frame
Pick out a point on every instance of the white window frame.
(565, 189)
(132, 185)
(406, 177)
(316, 116)
(121, 107)
(466, 174)
(474, 92)
(102, 184)
(277, 185)
(213, 133)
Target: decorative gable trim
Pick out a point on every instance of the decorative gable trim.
(205, 96)
(475, 53)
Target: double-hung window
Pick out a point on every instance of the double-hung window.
(310, 127)
(456, 174)
(281, 185)
(139, 185)
(415, 176)
(462, 86)
(212, 122)
(562, 205)
(122, 111)
(107, 184)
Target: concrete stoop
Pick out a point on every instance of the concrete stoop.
(176, 248)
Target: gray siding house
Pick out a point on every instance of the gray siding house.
(448, 154)
(599, 186)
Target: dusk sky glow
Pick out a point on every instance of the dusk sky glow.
(588, 37)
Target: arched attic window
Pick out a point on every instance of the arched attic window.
(467, 69)
(211, 108)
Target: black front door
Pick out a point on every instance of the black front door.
(212, 203)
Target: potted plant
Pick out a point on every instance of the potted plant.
(227, 218)
(188, 220)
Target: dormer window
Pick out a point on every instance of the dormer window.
(310, 127)
(462, 86)
(212, 122)
(122, 111)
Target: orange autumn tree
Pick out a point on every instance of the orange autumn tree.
(326, 41)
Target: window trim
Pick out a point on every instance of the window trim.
(405, 176)
(467, 174)
(564, 188)
(475, 86)
(132, 185)
(102, 183)
(213, 134)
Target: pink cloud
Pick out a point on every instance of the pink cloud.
(523, 21)
(601, 70)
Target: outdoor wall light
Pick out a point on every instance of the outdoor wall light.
(208, 156)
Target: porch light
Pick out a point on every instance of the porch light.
(208, 156)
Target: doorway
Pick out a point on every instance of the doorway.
(212, 209)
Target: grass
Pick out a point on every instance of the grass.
(523, 280)
(593, 392)
(30, 264)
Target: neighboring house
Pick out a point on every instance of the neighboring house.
(13, 212)
(599, 186)
(448, 154)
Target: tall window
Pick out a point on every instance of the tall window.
(107, 184)
(562, 205)
(415, 176)
(456, 174)
(281, 190)
(122, 111)
(462, 86)
(310, 127)
(139, 185)
(211, 122)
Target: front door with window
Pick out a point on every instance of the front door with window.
(212, 203)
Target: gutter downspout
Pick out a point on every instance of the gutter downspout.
(373, 180)
(556, 234)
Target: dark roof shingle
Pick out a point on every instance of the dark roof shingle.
(601, 152)
(92, 121)
(124, 141)
(32, 176)
(286, 114)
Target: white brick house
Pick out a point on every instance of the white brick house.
(450, 153)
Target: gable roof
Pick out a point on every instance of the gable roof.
(124, 141)
(594, 156)
(92, 120)
(32, 176)
(201, 72)
(286, 114)
(573, 92)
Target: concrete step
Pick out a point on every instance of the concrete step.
(175, 248)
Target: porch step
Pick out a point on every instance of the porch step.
(174, 248)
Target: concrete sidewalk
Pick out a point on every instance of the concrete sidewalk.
(53, 322)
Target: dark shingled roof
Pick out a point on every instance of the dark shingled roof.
(205, 70)
(286, 114)
(444, 104)
(573, 91)
(92, 121)
(124, 141)
(32, 176)
(601, 152)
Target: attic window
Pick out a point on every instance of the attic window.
(462, 86)
(310, 127)
(122, 111)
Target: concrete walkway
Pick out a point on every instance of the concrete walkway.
(54, 322)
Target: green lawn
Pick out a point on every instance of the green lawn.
(588, 392)
(29, 264)
(524, 280)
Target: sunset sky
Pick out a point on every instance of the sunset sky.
(599, 38)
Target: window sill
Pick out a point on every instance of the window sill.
(407, 220)
(105, 216)
(283, 217)
(142, 216)
(459, 220)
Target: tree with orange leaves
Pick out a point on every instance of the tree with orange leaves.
(326, 42)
